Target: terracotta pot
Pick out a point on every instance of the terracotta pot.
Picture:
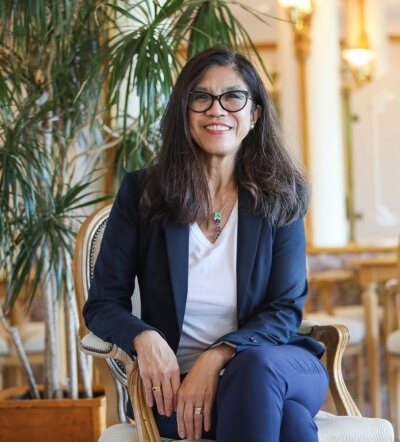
(50, 420)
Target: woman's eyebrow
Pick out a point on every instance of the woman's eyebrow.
(225, 89)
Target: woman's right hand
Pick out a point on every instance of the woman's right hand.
(159, 370)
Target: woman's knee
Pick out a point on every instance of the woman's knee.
(263, 360)
(297, 423)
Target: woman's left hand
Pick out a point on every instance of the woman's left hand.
(197, 392)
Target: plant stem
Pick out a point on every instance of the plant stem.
(15, 337)
(52, 360)
(71, 333)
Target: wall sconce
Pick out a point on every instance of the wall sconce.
(358, 58)
(359, 61)
(356, 72)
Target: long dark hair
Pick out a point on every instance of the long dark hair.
(176, 186)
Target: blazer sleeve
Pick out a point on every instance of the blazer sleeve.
(108, 310)
(279, 313)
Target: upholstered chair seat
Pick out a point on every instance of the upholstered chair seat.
(331, 428)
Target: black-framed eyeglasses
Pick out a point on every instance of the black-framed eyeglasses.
(231, 101)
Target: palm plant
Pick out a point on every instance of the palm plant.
(45, 55)
(146, 50)
(81, 77)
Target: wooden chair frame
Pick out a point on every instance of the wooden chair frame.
(392, 322)
(368, 350)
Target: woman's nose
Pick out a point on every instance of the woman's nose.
(216, 109)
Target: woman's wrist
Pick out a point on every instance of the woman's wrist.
(142, 339)
(220, 355)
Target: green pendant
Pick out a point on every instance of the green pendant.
(217, 216)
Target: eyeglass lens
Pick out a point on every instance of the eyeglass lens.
(231, 101)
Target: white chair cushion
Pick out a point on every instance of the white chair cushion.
(393, 342)
(127, 433)
(331, 428)
(306, 326)
(93, 343)
(356, 327)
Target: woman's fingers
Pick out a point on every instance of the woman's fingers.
(179, 419)
(159, 371)
(167, 397)
(198, 416)
(147, 384)
(158, 395)
(175, 384)
(207, 415)
(188, 417)
(190, 420)
(162, 394)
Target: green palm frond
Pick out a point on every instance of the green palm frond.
(45, 239)
(47, 50)
(144, 53)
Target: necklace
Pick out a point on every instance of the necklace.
(217, 217)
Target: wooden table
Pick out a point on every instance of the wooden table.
(376, 269)
(325, 281)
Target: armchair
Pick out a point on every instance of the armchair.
(120, 376)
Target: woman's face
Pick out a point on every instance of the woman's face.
(217, 131)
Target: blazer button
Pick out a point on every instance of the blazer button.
(252, 339)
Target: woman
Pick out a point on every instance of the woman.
(214, 233)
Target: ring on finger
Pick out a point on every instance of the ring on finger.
(198, 410)
(156, 389)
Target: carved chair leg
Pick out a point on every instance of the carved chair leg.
(360, 367)
(370, 301)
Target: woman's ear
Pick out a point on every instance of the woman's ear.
(255, 114)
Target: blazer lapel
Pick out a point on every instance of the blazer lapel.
(177, 242)
(249, 227)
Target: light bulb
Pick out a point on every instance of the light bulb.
(358, 57)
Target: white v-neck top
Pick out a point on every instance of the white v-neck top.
(211, 307)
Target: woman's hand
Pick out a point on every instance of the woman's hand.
(159, 370)
(197, 392)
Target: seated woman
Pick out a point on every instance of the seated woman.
(214, 233)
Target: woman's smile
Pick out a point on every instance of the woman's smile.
(217, 129)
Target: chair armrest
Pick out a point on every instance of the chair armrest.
(94, 346)
(335, 339)
(144, 418)
(146, 427)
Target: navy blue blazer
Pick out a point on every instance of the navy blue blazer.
(271, 277)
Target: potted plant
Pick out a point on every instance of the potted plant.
(63, 67)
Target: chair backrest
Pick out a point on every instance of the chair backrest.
(87, 248)
(391, 302)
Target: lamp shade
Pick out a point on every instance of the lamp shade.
(358, 57)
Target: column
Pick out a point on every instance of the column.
(288, 79)
(325, 128)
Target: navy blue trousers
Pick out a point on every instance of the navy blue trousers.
(266, 394)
